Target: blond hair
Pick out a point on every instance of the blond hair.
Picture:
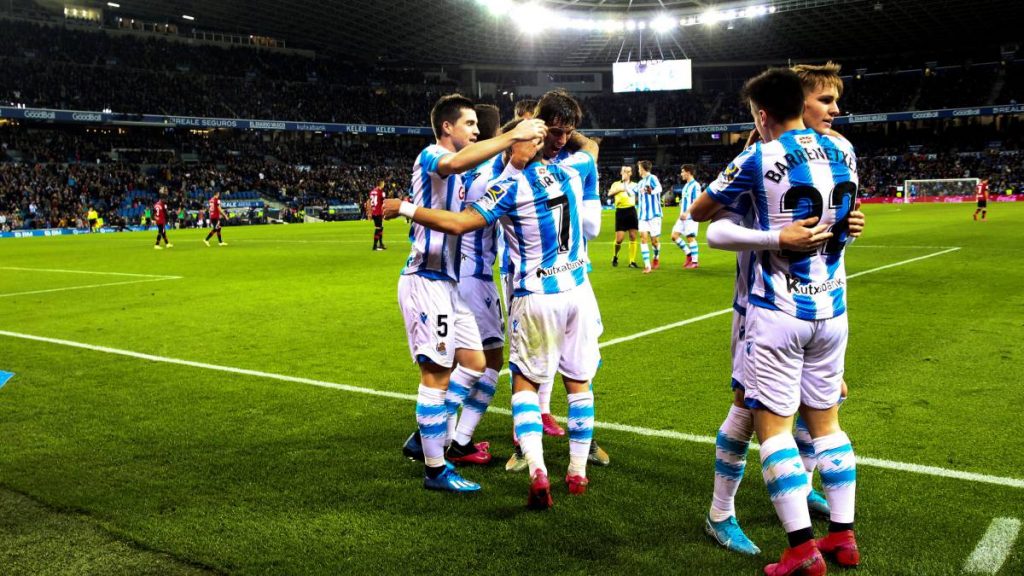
(824, 75)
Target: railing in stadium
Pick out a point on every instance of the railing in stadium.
(155, 120)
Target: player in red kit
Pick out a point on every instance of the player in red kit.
(160, 215)
(215, 215)
(981, 195)
(377, 213)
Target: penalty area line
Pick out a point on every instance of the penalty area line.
(637, 430)
(995, 546)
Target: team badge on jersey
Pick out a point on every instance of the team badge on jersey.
(730, 172)
(806, 140)
(442, 349)
(423, 317)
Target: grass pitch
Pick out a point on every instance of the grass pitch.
(118, 464)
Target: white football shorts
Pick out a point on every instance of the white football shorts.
(685, 227)
(437, 321)
(481, 297)
(555, 333)
(652, 226)
(788, 361)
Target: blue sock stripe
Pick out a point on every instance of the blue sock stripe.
(430, 410)
(524, 408)
(731, 445)
(801, 425)
(805, 448)
(580, 410)
(778, 456)
(728, 470)
(457, 390)
(488, 388)
(839, 452)
(784, 485)
(438, 430)
(527, 428)
(837, 478)
(475, 403)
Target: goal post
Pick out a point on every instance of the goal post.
(939, 190)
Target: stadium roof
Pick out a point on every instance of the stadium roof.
(468, 32)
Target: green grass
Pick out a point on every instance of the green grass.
(112, 464)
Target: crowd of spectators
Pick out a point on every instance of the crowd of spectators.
(69, 68)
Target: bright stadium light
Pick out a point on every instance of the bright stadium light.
(663, 23)
(532, 18)
(771, 9)
(187, 17)
(710, 16)
(630, 25)
(113, 4)
(497, 7)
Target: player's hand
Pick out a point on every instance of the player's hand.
(856, 221)
(753, 138)
(524, 151)
(391, 206)
(530, 130)
(804, 235)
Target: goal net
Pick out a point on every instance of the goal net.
(938, 190)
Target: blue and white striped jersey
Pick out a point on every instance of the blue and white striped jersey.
(691, 190)
(584, 164)
(800, 175)
(648, 198)
(434, 254)
(479, 248)
(540, 211)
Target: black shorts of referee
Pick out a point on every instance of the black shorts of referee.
(625, 219)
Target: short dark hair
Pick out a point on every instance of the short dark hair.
(690, 168)
(777, 91)
(510, 125)
(559, 105)
(488, 119)
(645, 164)
(525, 105)
(448, 108)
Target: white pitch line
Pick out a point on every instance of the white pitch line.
(67, 288)
(891, 465)
(94, 272)
(990, 554)
(622, 339)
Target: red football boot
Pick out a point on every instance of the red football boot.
(802, 560)
(540, 493)
(577, 484)
(551, 427)
(656, 263)
(841, 547)
(477, 454)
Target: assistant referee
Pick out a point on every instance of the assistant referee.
(624, 194)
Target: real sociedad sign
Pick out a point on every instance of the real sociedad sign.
(79, 116)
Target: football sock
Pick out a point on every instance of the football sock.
(730, 461)
(693, 250)
(475, 406)
(806, 446)
(983, 213)
(632, 251)
(798, 537)
(581, 431)
(786, 479)
(618, 246)
(645, 254)
(459, 386)
(430, 417)
(657, 250)
(529, 431)
(838, 468)
(544, 394)
(682, 245)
